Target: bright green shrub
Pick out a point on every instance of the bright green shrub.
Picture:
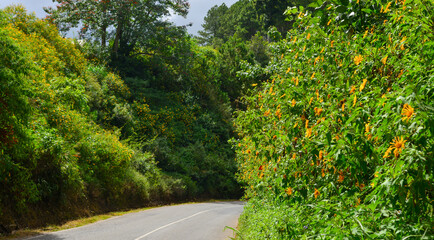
(55, 154)
(342, 135)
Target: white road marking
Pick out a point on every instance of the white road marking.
(167, 225)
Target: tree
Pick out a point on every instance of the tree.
(270, 12)
(126, 24)
(222, 22)
(212, 28)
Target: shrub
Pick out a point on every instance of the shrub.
(341, 135)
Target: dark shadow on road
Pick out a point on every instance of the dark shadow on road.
(43, 237)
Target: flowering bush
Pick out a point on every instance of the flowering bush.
(342, 135)
(54, 155)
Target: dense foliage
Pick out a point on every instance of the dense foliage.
(338, 144)
(77, 138)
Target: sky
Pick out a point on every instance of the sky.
(198, 10)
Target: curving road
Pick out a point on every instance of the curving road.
(202, 221)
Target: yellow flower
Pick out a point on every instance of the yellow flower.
(310, 101)
(316, 194)
(289, 191)
(387, 7)
(362, 86)
(397, 144)
(308, 132)
(318, 111)
(278, 113)
(343, 107)
(407, 112)
(387, 153)
(308, 36)
(367, 128)
(354, 100)
(384, 60)
(287, 71)
(321, 153)
(254, 84)
(307, 124)
(293, 102)
(358, 59)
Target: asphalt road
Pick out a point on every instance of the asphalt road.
(202, 221)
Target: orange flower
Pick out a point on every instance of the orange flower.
(407, 112)
(316, 194)
(294, 156)
(318, 111)
(384, 60)
(354, 100)
(289, 191)
(278, 113)
(387, 7)
(293, 102)
(387, 153)
(362, 86)
(308, 132)
(308, 36)
(341, 176)
(310, 101)
(358, 59)
(397, 144)
(343, 107)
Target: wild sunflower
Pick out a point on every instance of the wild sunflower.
(407, 112)
(317, 193)
(308, 132)
(362, 86)
(289, 191)
(358, 59)
(397, 145)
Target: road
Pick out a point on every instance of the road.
(201, 221)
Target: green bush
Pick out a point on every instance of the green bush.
(341, 135)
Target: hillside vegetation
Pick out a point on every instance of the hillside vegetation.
(77, 138)
(322, 112)
(338, 143)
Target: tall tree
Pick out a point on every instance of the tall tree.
(126, 24)
(212, 28)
